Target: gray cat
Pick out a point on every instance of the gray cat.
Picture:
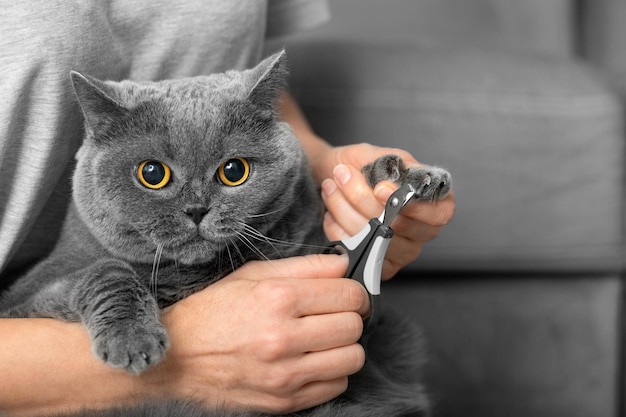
(178, 183)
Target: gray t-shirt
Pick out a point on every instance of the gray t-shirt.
(40, 123)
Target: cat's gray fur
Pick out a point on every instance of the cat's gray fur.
(126, 251)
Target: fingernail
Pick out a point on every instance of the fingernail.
(341, 174)
(328, 186)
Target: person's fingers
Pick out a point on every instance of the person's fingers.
(330, 295)
(313, 377)
(436, 214)
(309, 266)
(323, 332)
(365, 153)
(300, 297)
(355, 189)
(401, 252)
(402, 225)
(407, 243)
(353, 203)
(405, 246)
(346, 215)
(413, 230)
(333, 229)
(309, 395)
(350, 202)
(329, 365)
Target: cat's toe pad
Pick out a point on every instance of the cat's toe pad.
(131, 346)
(431, 183)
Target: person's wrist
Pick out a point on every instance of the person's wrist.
(182, 370)
(101, 384)
(317, 150)
(161, 380)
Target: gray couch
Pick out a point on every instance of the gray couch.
(521, 295)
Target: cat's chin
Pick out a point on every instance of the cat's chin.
(190, 260)
(183, 257)
(197, 250)
(215, 237)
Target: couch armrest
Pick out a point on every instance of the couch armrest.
(534, 145)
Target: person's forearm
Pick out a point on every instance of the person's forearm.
(47, 366)
(314, 146)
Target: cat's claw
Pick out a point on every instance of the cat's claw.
(433, 183)
(132, 346)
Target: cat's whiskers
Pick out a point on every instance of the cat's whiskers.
(255, 234)
(154, 277)
(234, 244)
(244, 239)
(230, 258)
(285, 207)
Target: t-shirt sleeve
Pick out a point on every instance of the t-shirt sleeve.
(285, 17)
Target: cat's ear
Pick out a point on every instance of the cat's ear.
(267, 80)
(97, 101)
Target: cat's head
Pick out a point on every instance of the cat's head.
(185, 164)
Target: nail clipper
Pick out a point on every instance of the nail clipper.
(366, 252)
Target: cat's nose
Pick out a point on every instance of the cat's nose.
(196, 212)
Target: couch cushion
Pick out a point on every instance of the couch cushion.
(534, 145)
(534, 345)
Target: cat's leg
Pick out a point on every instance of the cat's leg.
(120, 314)
(50, 300)
(431, 183)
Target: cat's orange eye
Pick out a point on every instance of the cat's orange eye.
(153, 174)
(234, 172)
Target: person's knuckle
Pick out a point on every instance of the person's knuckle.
(313, 261)
(401, 153)
(342, 385)
(391, 267)
(282, 380)
(281, 404)
(273, 346)
(444, 214)
(357, 358)
(354, 295)
(354, 326)
(278, 294)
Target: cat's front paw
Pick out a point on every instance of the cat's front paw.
(131, 344)
(431, 183)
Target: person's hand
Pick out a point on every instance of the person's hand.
(351, 202)
(274, 336)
